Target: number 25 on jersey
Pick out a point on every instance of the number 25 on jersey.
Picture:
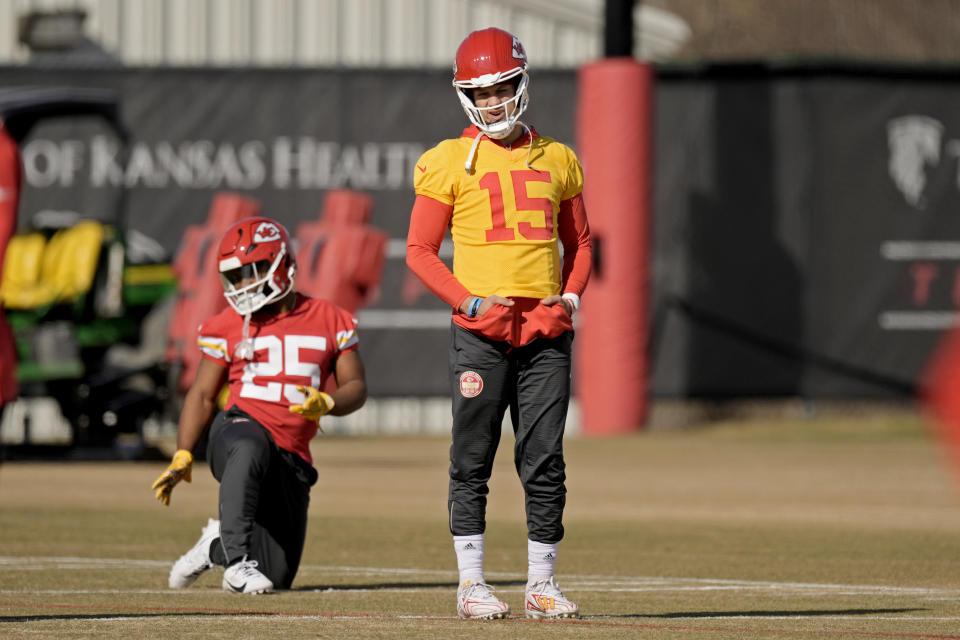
(284, 360)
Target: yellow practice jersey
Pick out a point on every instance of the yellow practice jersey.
(504, 221)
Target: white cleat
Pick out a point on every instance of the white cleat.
(194, 562)
(244, 577)
(545, 600)
(475, 601)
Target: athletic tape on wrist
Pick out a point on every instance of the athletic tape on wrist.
(574, 300)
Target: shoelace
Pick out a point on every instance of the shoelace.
(479, 591)
(248, 568)
(547, 586)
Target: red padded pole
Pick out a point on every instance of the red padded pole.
(614, 128)
(939, 394)
(10, 173)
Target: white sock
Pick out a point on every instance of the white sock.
(469, 557)
(541, 559)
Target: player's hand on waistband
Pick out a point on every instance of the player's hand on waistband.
(555, 299)
(475, 306)
(317, 404)
(178, 470)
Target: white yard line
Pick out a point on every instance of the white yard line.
(652, 621)
(594, 583)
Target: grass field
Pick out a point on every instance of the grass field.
(818, 528)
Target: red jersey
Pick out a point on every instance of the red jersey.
(299, 347)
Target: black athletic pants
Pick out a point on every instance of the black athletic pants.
(264, 495)
(534, 382)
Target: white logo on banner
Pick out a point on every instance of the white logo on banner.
(914, 143)
(917, 147)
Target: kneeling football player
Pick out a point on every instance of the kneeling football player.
(274, 348)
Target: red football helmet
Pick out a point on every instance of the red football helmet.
(485, 58)
(256, 264)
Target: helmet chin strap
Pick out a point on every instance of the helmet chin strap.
(499, 133)
(468, 165)
(529, 142)
(244, 349)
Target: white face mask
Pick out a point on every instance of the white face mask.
(514, 107)
(260, 292)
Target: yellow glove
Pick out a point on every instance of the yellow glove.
(178, 470)
(317, 404)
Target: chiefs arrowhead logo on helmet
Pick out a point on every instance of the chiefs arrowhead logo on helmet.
(518, 51)
(266, 232)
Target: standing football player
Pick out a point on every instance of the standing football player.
(275, 349)
(510, 198)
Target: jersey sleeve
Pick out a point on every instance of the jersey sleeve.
(345, 327)
(573, 182)
(212, 341)
(432, 176)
